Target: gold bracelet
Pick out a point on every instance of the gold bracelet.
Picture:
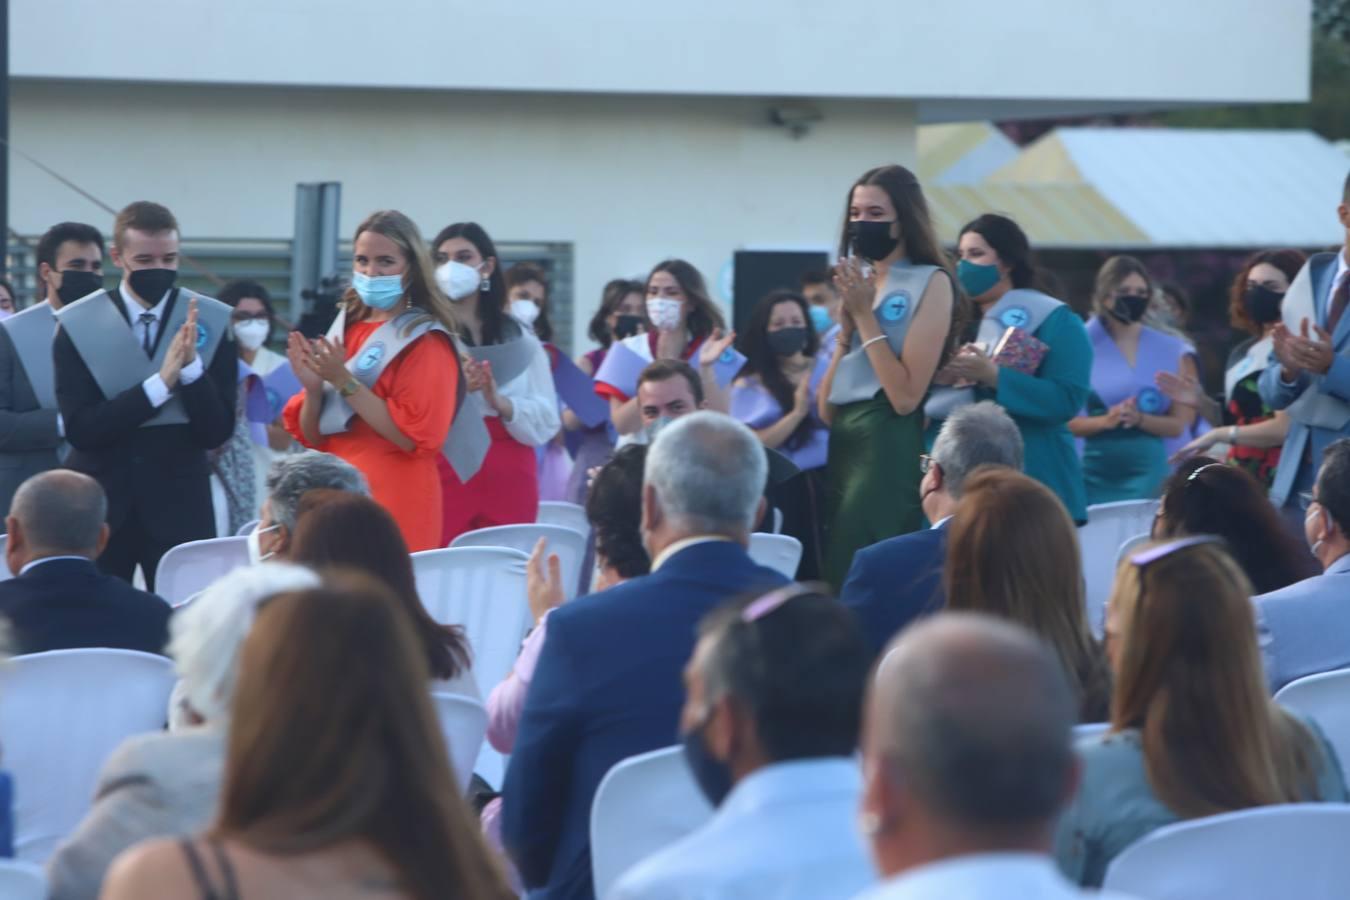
(350, 387)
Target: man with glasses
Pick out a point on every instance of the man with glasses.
(895, 582)
(1305, 628)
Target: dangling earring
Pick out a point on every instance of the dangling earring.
(485, 285)
(870, 824)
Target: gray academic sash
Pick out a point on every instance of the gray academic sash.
(854, 377)
(467, 442)
(31, 333)
(1313, 408)
(1022, 308)
(1254, 361)
(109, 347)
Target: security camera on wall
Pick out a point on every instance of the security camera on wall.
(797, 118)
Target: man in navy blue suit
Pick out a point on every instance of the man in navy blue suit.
(58, 598)
(608, 684)
(896, 581)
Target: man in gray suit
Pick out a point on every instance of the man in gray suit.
(70, 265)
(1305, 628)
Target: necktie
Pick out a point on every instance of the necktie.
(147, 321)
(1339, 299)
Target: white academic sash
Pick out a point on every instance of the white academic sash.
(1256, 359)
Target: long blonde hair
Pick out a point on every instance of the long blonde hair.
(1189, 678)
(419, 279)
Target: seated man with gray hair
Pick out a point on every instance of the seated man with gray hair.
(608, 681)
(289, 479)
(899, 580)
(58, 598)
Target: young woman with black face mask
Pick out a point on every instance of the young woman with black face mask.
(1252, 431)
(1127, 417)
(899, 318)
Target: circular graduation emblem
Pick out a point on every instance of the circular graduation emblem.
(370, 357)
(201, 335)
(727, 356)
(273, 399)
(894, 306)
(1015, 317)
(1150, 400)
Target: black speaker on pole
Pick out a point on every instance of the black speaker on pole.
(758, 272)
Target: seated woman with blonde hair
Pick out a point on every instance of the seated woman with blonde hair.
(1193, 732)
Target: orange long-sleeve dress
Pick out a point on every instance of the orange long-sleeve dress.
(419, 387)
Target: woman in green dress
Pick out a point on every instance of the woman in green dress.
(996, 273)
(898, 322)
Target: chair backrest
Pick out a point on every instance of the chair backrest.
(1130, 547)
(22, 880)
(190, 568)
(568, 515)
(1295, 850)
(1324, 697)
(569, 544)
(644, 804)
(5, 573)
(1089, 730)
(246, 528)
(464, 724)
(780, 552)
(1109, 526)
(61, 714)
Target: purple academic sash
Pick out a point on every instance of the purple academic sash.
(1114, 380)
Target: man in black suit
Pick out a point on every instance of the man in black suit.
(146, 380)
(58, 599)
(899, 580)
(70, 265)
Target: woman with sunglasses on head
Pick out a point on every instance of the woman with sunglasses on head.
(899, 320)
(1253, 432)
(1127, 418)
(1193, 732)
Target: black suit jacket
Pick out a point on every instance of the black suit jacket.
(159, 473)
(896, 582)
(68, 603)
(29, 436)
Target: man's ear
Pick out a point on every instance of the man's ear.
(721, 733)
(104, 532)
(651, 509)
(115, 254)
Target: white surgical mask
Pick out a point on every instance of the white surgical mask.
(255, 554)
(525, 310)
(252, 334)
(458, 280)
(664, 312)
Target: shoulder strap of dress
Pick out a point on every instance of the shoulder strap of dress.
(198, 868)
(226, 870)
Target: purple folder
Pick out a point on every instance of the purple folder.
(622, 367)
(577, 389)
(281, 385)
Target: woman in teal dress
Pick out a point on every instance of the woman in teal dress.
(1127, 418)
(996, 272)
(897, 326)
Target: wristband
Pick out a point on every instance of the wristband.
(349, 388)
(870, 341)
(1232, 435)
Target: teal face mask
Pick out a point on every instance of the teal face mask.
(380, 292)
(820, 317)
(976, 279)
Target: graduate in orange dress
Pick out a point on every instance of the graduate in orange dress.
(382, 388)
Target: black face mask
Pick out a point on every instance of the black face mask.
(1129, 308)
(787, 341)
(711, 774)
(152, 284)
(76, 284)
(1262, 304)
(627, 326)
(872, 240)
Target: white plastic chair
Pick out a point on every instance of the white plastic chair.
(192, 567)
(780, 552)
(61, 714)
(1295, 850)
(568, 543)
(1109, 526)
(1089, 730)
(22, 880)
(464, 725)
(1130, 547)
(568, 515)
(246, 528)
(644, 804)
(5, 573)
(1324, 697)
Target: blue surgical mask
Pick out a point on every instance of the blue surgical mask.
(712, 775)
(820, 317)
(656, 427)
(976, 279)
(380, 291)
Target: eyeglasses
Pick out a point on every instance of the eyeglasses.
(238, 316)
(1153, 554)
(1306, 500)
(926, 462)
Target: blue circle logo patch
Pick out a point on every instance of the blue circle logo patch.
(727, 357)
(1151, 401)
(201, 335)
(370, 357)
(894, 307)
(1015, 317)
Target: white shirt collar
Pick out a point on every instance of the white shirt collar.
(942, 521)
(664, 556)
(1342, 267)
(134, 309)
(980, 875)
(47, 559)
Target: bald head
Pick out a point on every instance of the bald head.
(60, 513)
(973, 715)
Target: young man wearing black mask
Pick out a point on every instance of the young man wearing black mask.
(70, 265)
(146, 385)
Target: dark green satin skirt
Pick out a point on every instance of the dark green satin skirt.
(872, 481)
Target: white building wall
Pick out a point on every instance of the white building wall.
(627, 180)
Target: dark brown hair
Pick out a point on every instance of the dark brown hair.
(333, 738)
(1287, 261)
(1110, 275)
(143, 215)
(524, 272)
(762, 362)
(610, 299)
(498, 327)
(666, 369)
(703, 315)
(339, 528)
